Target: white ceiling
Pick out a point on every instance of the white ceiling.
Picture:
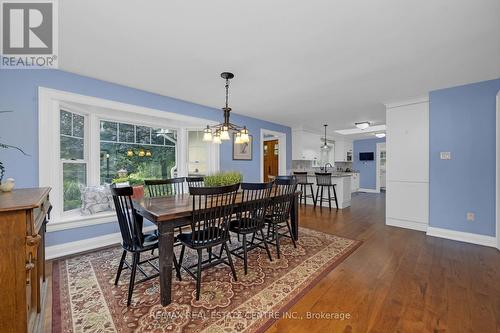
(300, 63)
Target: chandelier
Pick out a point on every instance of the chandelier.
(220, 132)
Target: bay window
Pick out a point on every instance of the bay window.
(144, 152)
(87, 143)
(73, 154)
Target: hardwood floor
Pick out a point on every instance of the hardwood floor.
(398, 280)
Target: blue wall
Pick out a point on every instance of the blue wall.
(462, 121)
(367, 169)
(19, 92)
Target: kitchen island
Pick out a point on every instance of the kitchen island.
(343, 189)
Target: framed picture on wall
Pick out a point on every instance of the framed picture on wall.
(242, 151)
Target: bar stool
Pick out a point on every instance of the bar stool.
(324, 179)
(302, 181)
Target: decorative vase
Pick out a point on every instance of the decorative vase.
(7, 185)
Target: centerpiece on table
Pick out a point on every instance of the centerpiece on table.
(223, 178)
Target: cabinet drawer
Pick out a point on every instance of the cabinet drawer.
(38, 216)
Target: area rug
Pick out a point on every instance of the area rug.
(86, 300)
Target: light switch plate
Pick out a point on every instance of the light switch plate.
(445, 155)
(471, 216)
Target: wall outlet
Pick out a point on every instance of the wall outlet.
(471, 216)
(445, 155)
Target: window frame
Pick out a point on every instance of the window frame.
(84, 161)
(51, 102)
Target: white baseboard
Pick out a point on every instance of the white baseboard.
(367, 190)
(406, 224)
(462, 236)
(65, 249)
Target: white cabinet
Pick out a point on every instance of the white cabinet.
(355, 182)
(343, 149)
(306, 146)
(407, 168)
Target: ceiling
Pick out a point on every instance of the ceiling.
(299, 63)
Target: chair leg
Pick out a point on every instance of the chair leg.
(253, 238)
(277, 236)
(230, 261)
(198, 275)
(265, 244)
(209, 250)
(291, 235)
(317, 193)
(245, 259)
(177, 269)
(335, 194)
(329, 198)
(312, 194)
(321, 200)
(135, 262)
(120, 267)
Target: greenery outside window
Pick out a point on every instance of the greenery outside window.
(144, 152)
(73, 157)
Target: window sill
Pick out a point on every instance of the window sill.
(79, 221)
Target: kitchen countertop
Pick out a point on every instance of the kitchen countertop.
(334, 174)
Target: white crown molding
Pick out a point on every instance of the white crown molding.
(410, 101)
(462, 236)
(65, 249)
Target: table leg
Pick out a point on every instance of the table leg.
(294, 217)
(166, 255)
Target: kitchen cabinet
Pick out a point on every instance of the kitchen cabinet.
(306, 146)
(355, 182)
(343, 151)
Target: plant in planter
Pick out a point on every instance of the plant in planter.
(2, 167)
(223, 178)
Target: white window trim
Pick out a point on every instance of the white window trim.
(50, 101)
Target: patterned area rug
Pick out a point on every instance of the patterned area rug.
(86, 300)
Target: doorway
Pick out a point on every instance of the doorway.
(270, 135)
(381, 167)
(271, 158)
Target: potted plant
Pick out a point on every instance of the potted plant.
(223, 178)
(8, 185)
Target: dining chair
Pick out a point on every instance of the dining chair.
(250, 218)
(133, 239)
(164, 187)
(324, 179)
(212, 210)
(279, 210)
(195, 181)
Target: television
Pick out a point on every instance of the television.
(366, 156)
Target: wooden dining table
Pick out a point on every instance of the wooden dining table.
(174, 211)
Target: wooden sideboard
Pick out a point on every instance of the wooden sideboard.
(23, 219)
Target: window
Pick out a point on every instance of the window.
(143, 152)
(84, 142)
(73, 157)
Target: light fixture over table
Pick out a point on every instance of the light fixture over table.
(362, 125)
(220, 132)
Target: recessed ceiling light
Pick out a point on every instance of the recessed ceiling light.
(380, 135)
(363, 125)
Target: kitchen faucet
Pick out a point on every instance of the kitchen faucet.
(324, 168)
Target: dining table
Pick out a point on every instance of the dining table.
(171, 212)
